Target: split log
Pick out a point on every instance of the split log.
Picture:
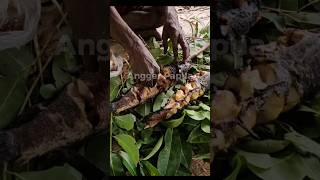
(280, 75)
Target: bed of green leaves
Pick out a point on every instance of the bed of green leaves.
(288, 148)
(168, 148)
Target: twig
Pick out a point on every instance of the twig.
(307, 5)
(37, 49)
(45, 46)
(64, 17)
(42, 69)
(202, 66)
(281, 11)
(55, 2)
(34, 84)
(277, 10)
(206, 46)
(6, 171)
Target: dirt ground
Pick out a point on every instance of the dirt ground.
(192, 14)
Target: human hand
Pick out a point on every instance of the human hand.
(172, 30)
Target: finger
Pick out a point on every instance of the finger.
(175, 47)
(165, 42)
(185, 47)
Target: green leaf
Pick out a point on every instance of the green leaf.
(193, 107)
(128, 163)
(115, 84)
(116, 165)
(153, 171)
(238, 162)
(307, 18)
(16, 62)
(206, 114)
(205, 126)
(125, 121)
(204, 106)
(174, 122)
(155, 149)
(65, 172)
(47, 91)
(183, 172)
(205, 31)
(142, 169)
(156, 52)
(303, 143)
(140, 126)
(196, 115)
(169, 93)
(197, 136)
(146, 135)
(59, 67)
(202, 156)
(153, 43)
(164, 156)
(191, 123)
(159, 101)
(128, 144)
(308, 109)
(169, 157)
(186, 154)
(263, 146)
(311, 167)
(291, 167)
(144, 109)
(263, 161)
(165, 59)
(276, 19)
(14, 68)
(129, 83)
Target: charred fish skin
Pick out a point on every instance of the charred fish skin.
(139, 94)
(191, 91)
(126, 102)
(295, 68)
(237, 17)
